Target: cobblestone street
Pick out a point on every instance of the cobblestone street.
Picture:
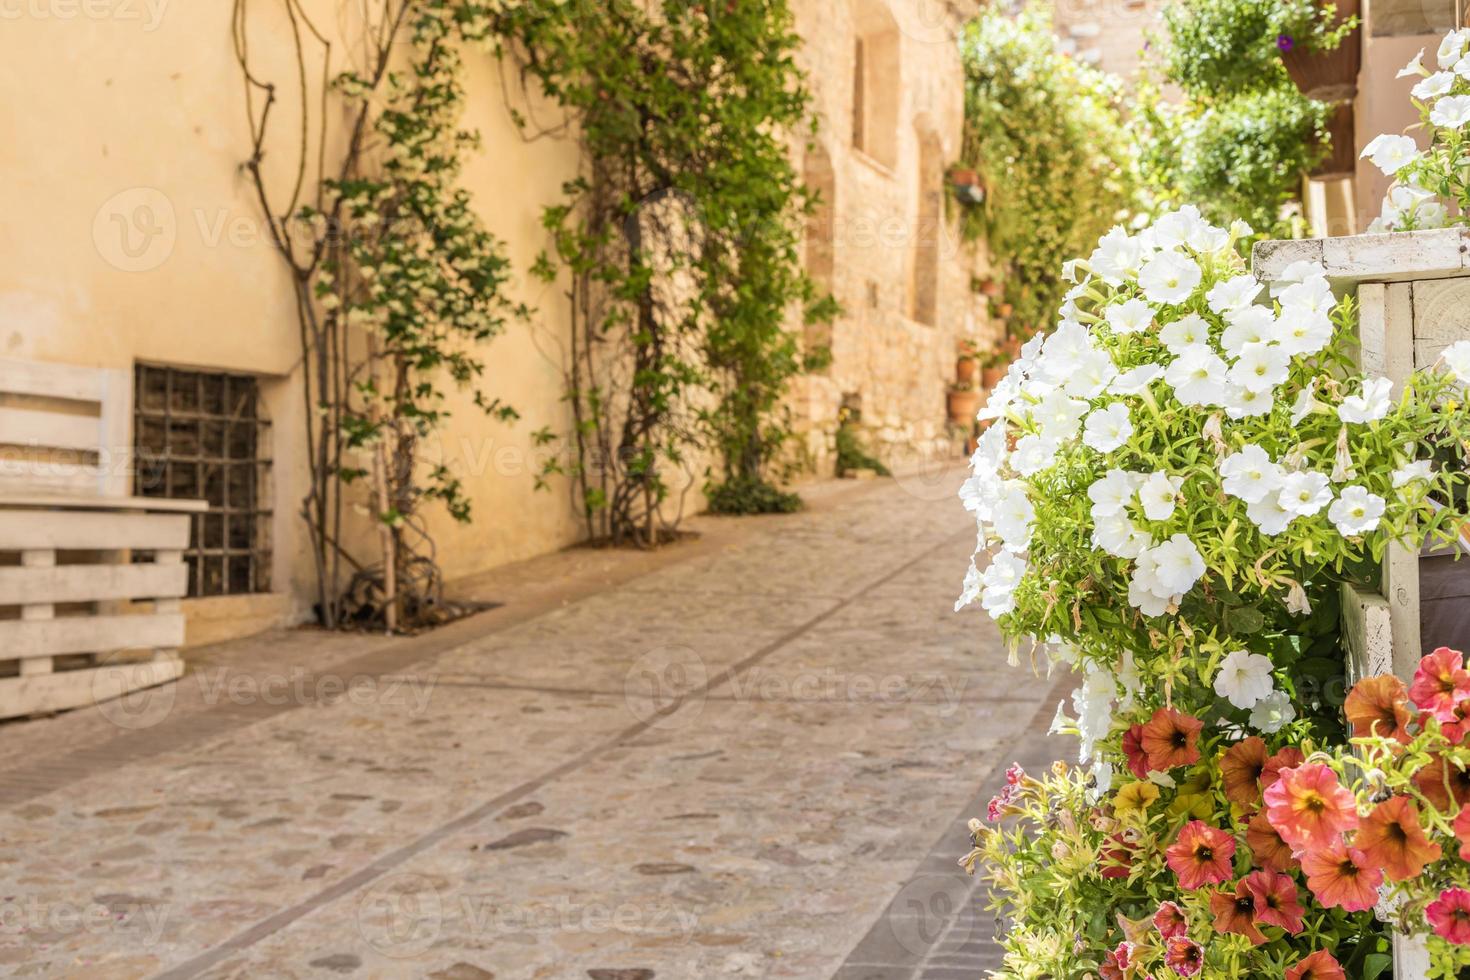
(749, 756)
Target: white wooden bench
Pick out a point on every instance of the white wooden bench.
(1414, 293)
(90, 577)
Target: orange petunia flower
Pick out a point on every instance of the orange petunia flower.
(1276, 900)
(1240, 769)
(1201, 855)
(1393, 839)
(1342, 877)
(1133, 749)
(1267, 847)
(1441, 682)
(1287, 758)
(1309, 807)
(1171, 739)
(1321, 965)
(1379, 706)
(1461, 827)
(1442, 781)
(1235, 912)
(1170, 920)
(1184, 956)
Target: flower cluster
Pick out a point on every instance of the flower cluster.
(1428, 180)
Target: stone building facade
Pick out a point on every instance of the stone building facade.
(1107, 34)
(133, 241)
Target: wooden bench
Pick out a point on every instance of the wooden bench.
(91, 577)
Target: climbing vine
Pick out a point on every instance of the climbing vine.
(679, 241)
(397, 284)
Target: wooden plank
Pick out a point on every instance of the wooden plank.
(1367, 633)
(92, 530)
(48, 380)
(96, 502)
(1396, 257)
(89, 583)
(75, 688)
(116, 456)
(54, 430)
(91, 634)
(1441, 317)
(1410, 958)
(1398, 334)
(1372, 341)
(72, 479)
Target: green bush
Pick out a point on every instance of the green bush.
(1224, 47)
(744, 495)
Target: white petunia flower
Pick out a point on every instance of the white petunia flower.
(1414, 67)
(1119, 256)
(1415, 472)
(1132, 316)
(1158, 495)
(1302, 270)
(1391, 153)
(1269, 517)
(1092, 375)
(1261, 367)
(1059, 415)
(1462, 67)
(991, 450)
(1456, 357)
(1033, 454)
(1145, 592)
(1118, 536)
(1233, 295)
(1370, 405)
(1451, 112)
(1197, 377)
(1452, 48)
(1002, 575)
(1272, 713)
(1013, 517)
(1135, 380)
(1169, 277)
(1177, 564)
(1434, 86)
(1307, 298)
(970, 591)
(1113, 492)
(1107, 428)
(1305, 492)
(1240, 402)
(1185, 333)
(1244, 678)
(1356, 511)
(1250, 474)
(1252, 325)
(1065, 349)
(1306, 400)
(1305, 334)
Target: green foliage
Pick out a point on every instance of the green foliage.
(741, 495)
(852, 456)
(1049, 135)
(1220, 48)
(1242, 156)
(680, 238)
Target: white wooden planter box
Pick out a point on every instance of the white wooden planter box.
(1414, 292)
(90, 578)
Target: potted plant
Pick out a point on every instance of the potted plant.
(994, 366)
(1319, 47)
(966, 185)
(989, 287)
(966, 365)
(963, 403)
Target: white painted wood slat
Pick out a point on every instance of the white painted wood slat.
(92, 530)
(90, 634)
(53, 430)
(89, 583)
(50, 380)
(75, 688)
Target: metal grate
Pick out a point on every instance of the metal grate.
(201, 435)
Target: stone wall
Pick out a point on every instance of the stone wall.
(889, 90)
(1107, 34)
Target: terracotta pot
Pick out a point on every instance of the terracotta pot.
(963, 407)
(1327, 76)
(1004, 310)
(962, 176)
(991, 376)
(965, 368)
(1012, 346)
(991, 288)
(1342, 158)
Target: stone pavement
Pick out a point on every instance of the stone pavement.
(748, 757)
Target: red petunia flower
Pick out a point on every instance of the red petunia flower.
(1170, 920)
(1184, 956)
(1133, 749)
(1240, 769)
(1276, 900)
(1441, 682)
(1267, 847)
(1117, 963)
(1450, 916)
(1287, 758)
(1442, 781)
(1201, 855)
(1309, 807)
(1171, 739)
(1235, 912)
(1342, 877)
(1379, 706)
(1321, 965)
(1116, 857)
(1393, 839)
(1461, 827)
(1456, 729)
